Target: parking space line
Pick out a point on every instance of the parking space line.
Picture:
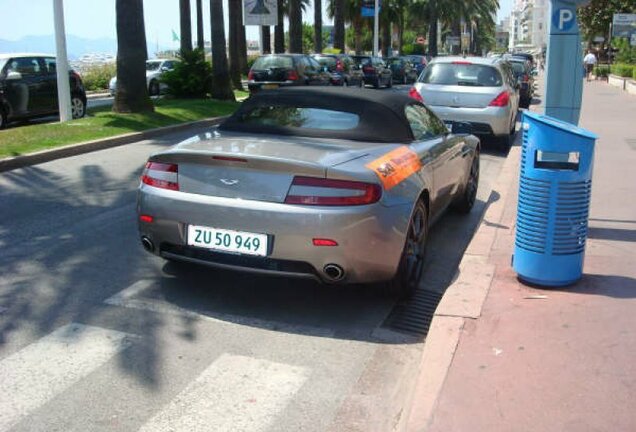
(235, 393)
(127, 298)
(40, 371)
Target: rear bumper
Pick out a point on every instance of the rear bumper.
(370, 238)
(258, 86)
(495, 118)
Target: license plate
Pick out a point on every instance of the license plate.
(270, 86)
(227, 240)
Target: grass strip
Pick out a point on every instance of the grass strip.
(102, 123)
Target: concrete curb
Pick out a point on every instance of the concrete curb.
(462, 300)
(22, 161)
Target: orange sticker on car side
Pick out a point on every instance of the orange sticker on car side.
(395, 166)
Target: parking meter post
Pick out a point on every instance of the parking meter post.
(63, 85)
(564, 68)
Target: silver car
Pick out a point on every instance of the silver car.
(481, 91)
(154, 69)
(338, 185)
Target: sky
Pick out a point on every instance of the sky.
(95, 19)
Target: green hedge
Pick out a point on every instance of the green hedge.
(602, 70)
(634, 73)
(623, 70)
(97, 77)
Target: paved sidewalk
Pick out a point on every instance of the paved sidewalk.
(553, 359)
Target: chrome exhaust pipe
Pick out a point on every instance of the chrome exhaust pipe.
(334, 272)
(147, 244)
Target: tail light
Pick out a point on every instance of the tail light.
(501, 100)
(161, 175)
(339, 66)
(250, 76)
(415, 94)
(292, 75)
(368, 69)
(525, 78)
(327, 192)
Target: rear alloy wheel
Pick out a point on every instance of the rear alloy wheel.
(78, 107)
(411, 266)
(3, 119)
(153, 88)
(467, 201)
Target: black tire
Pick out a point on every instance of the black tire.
(404, 79)
(411, 266)
(153, 88)
(525, 102)
(504, 143)
(390, 83)
(376, 83)
(345, 83)
(468, 197)
(78, 106)
(3, 119)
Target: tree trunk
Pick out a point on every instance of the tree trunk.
(132, 92)
(279, 30)
(242, 42)
(386, 39)
(357, 34)
(339, 26)
(221, 86)
(317, 26)
(235, 19)
(295, 27)
(432, 29)
(400, 30)
(456, 31)
(186, 25)
(200, 37)
(266, 40)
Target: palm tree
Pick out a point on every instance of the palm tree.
(339, 25)
(221, 86)
(132, 92)
(200, 38)
(279, 30)
(318, 26)
(186, 25)
(295, 27)
(236, 26)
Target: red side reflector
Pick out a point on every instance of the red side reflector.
(229, 159)
(415, 94)
(146, 218)
(501, 100)
(324, 242)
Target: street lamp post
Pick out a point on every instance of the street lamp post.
(376, 27)
(63, 85)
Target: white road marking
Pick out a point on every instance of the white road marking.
(37, 373)
(235, 393)
(126, 298)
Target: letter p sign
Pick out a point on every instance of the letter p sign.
(563, 19)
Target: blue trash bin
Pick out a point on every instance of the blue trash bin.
(555, 188)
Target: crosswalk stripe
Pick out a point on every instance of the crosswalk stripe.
(235, 393)
(128, 298)
(40, 371)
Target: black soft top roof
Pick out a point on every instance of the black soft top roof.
(382, 116)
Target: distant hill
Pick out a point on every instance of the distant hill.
(75, 46)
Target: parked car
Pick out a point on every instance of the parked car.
(319, 183)
(419, 61)
(28, 88)
(343, 70)
(524, 74)
(154, 69)
(376, 72)
(527, 56)
(481, 91)
(283, 70)
(402, 70)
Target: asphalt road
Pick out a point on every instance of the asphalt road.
(96, 334)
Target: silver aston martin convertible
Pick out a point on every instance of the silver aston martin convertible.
(339, 185)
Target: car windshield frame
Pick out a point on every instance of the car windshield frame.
(463, 74)
(152, 63)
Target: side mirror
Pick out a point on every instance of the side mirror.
(164, 69)
(461, 128)
(14, 76)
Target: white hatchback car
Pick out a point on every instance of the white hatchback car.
(154, 69)
(475, 90)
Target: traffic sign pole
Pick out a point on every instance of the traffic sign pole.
(376, 27)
